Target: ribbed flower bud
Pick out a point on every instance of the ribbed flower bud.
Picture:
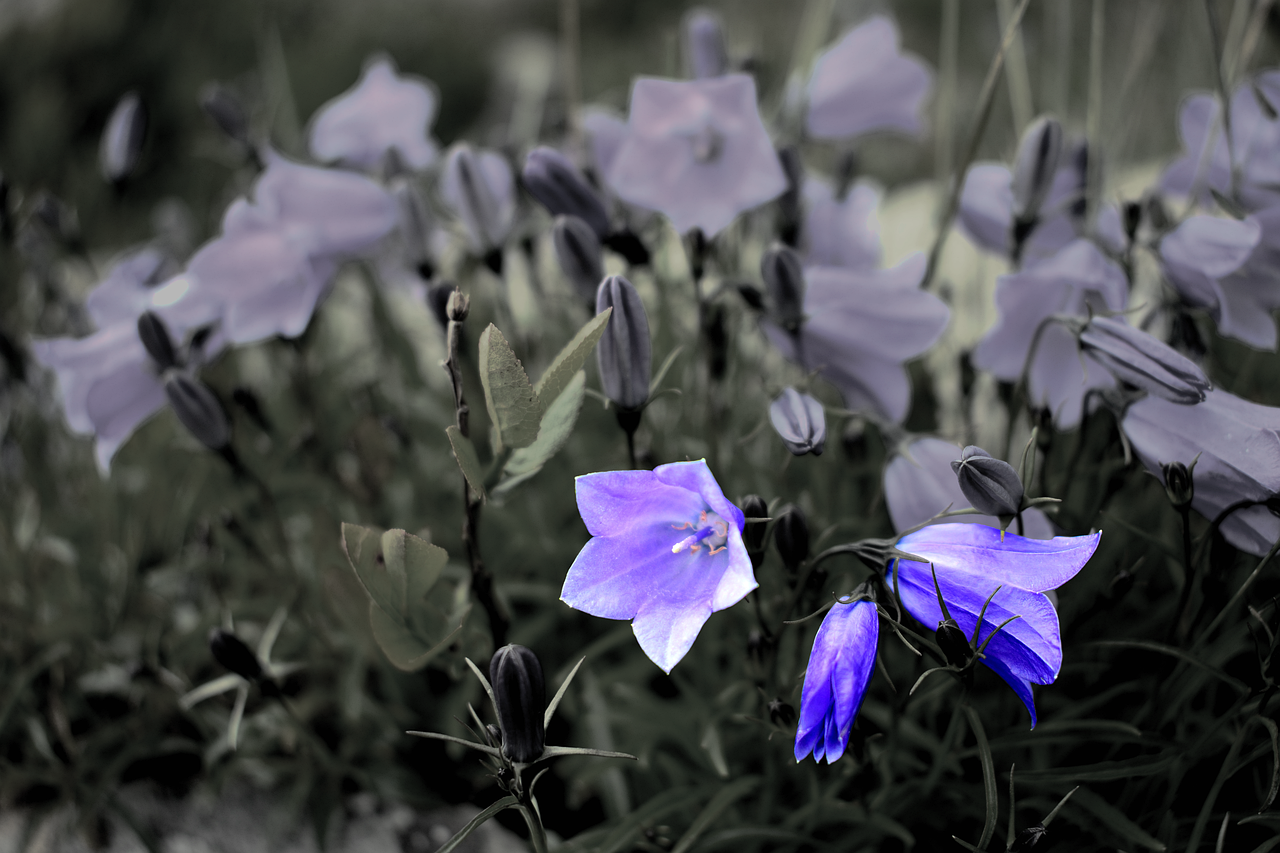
(704, 44)
(578, 251)
(953, 643)
(155, 338)
(231, 651)
(198, 409)
(227, 111)
(624, 352)
(791, 536)
(1028, 838)
(1034, 168)
(121, 145)
(465, 184)
(1143, 361)
(552, 179)
(1179, 484)
(990, 485)
(458, 306)
(800, 421)
(520, 698)
(783, 277)
(753, 532)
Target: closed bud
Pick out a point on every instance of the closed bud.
(791, 536)
(227, 111)
(465, 184)
(231, 651)
(458, 306)
(800, 421)
(953, 643)
(1028, 838)
(121, 145)
(751, 295)
(1143, 360)
(553, 180)
(520, 698)
(198, 409)
(782, 714)
(1034, 168)
(155, 338)
(624, 352)
(579, 254)
(704, 44)
(753, 532)
(783, 277)
(416, 224)
(1179, 484)
(1131, 217)
(990, 485)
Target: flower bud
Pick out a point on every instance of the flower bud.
(121, 145)
(458, 306)
(782, 714)
(1034, 168)
(791, 536)
(953, 643)
(552, 179)
(990, 485)
(784, 279)
(624, 353)
(789, 201)
(704, 44)
(198, 409)
(520, 699)
(800, 421)
(477, 187)
(1143, 360)
(226, 111)
(230, 651)
(1179, 484)
(155, 338)
(416, 226)
(578, 250)
(753, 506)
(1028, 838)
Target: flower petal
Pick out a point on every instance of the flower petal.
(1032, 564)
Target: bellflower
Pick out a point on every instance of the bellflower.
(841, 232)
(987, 208)
(1070, 283)
(971, 562)
(606, 133)
(479, 188)
(383, 112)
(799, 421)
(859, 328)
(864, 82)
(128, 288)
(666, 552)
(1238, 445)
(840, 667)
(1143, 360)
(553, 180)
(696, 151)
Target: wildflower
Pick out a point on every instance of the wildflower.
(384, 112)
(835, 682)
(991, 485)
(1143, 361)
(624, 353)
(129, 287)
(560, 187)
(841, 230)
(122, 139)
(519, 698)
(696, 151)
(666, 552)
(479, 188)
(864, 82)
(800, 421)
(974, 562)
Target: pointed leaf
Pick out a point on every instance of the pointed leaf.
(513, 406)
(465, 452)
(557, 426)
(404, 650)
(570, 359)
(363, 548)
(555, 700)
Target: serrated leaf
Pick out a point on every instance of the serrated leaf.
(405, 650)
(570, 359)
(557, 426)
(468, 460)
(513, 406)
(420, 563)
(363, 548)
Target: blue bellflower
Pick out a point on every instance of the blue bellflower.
(835, 682)
(971, 562)
(666, 552)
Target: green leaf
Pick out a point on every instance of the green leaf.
(404, 650)
(988, 776)
(487, 750)
(570, 359)
(555, 700)
(1101, 811)
(557, 751)
(557, 426)
(465, 452)
(513, 406)
(504, 803)
(363, 548)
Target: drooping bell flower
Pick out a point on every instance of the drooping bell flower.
(1143, 361)
(799, 421)
(704, 50)
(835, 681)
(666, 552)
(479, 188)
(520, 698)
(554, 181)
(624, 353)
(129, 287)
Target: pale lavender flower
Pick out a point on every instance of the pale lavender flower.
(864, 82)
(986, 210)
(605, 132)
(696, 151)
(705, 52)
(841, 232)
(1143, 360)
(128, 287)
(1069, 283)
(799, 421)
(383, 112)
(479, 188)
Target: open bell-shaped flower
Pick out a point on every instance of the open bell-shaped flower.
(624, 352)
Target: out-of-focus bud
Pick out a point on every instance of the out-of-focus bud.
(990, 485)
(704, 44)
(1157, 215)
(578, 251)
(853, 438)
(1080, 166)
(416, 226)
(783, 276)
(198, 409)
(753, 532)
(520, 698)
(226, 111)
(789, 201)
(791, 536)
(155, 338)
(477, 186)
(782, 714)
(1038, 153)
(624, 352)
(552, 179)
(800, 422)
(231, 651)
(751, 295)
(1179, 483)
(1143, 361)
(458, 306)
(1028, 838)
(1131, 218)
(121, 145)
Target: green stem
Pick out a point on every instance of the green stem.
(537, 835)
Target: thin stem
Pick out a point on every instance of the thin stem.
(1224, 93)
(1181, 616)
(1093, 115)
(537, 835)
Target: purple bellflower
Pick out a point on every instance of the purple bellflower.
(479, 188)
(859, 328)
(987, 209)
(835, 682)
(864, 82)
(972, 561)
(605, 132)
(1072, 282)
(1143, 361)
(666, 552)
(841, 232)
(129, 287)
(696, 151)
(1238, 448)
(383, 112)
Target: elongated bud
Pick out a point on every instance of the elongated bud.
(1143, 361)
(155, 338)
(791, 536)
(1179, 484)
(753, 532)
(800, 421)
(704, 44)
(789, 201)
(520, 697)
(624, 352)
(198, 409)
(121, 145)
(465, 185)
(416, 225)
(579, 254)
(227, 111)
(1036, 163)
(953, 643)
(1028, 838)
(552, 179)
(783, 277)
(990, 485)
(231, 651)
